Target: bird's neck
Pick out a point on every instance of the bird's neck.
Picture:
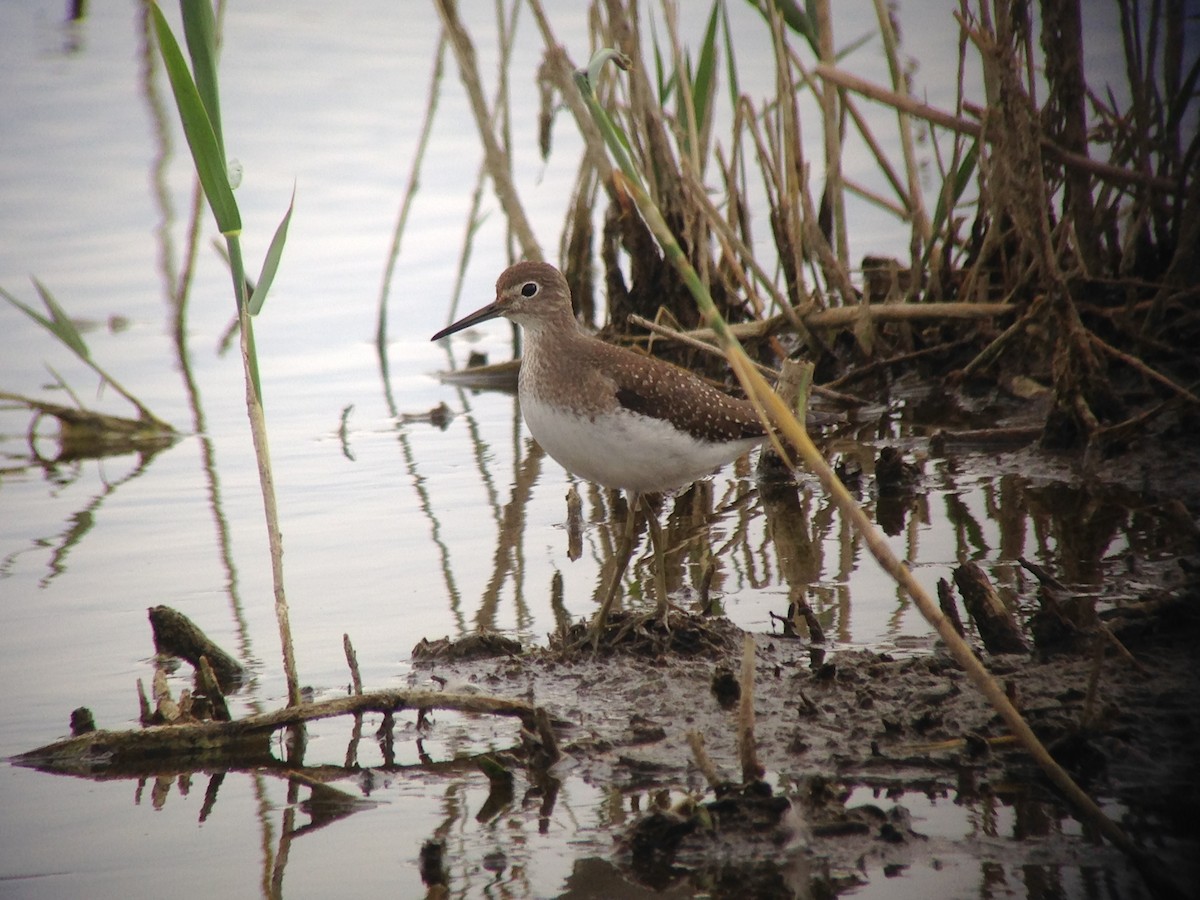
(551, 348)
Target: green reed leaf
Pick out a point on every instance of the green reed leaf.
(58, 324)
(200, 34)
(271, 262)
(207, 154)
(61, 325)
(702, 82)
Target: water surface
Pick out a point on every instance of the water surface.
(394, 528)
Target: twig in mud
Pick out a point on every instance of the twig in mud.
(210, 686)
(703, 761)
(1088, 713)
(538, 743)
(997, 627)
(1051, 589)
(1016, 434)
(352, 662)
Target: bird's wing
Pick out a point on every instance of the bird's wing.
(663, 391)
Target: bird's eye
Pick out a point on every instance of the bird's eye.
(529, 288)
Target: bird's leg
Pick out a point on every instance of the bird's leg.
(624, 552)
(660, 559)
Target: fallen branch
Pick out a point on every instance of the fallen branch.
(97, 750)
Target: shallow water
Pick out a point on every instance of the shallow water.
(394, 529)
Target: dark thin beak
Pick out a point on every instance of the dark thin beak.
(480, 315)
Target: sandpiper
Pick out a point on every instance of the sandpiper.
(607, 414)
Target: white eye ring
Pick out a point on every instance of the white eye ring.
(529, 289)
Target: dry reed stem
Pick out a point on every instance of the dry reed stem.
(1104, 171)
(922, 232)
(840, 317)
(561, 70)
(497, 160)
(832, 133)
(786, 165)
(864, 129)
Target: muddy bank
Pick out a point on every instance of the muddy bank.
(831, 724)
(886, 764)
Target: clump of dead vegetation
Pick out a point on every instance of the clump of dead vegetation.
(1057, 259)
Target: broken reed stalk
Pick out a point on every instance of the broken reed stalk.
(61, 327)
(752, 769)
(352, 662)
(777, 414)
(789, 167)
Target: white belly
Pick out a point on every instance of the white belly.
(626, 450)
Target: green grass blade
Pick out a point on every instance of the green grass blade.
(61, 325)
(198, 129)
(735, 90)
(660, 74)
(860, 41)
(271, 262)
(69, 336)
(962, 177)
(944, 208)
(798, 19)
(200, 34)
(702, 82)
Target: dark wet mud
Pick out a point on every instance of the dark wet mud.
(879, 765)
